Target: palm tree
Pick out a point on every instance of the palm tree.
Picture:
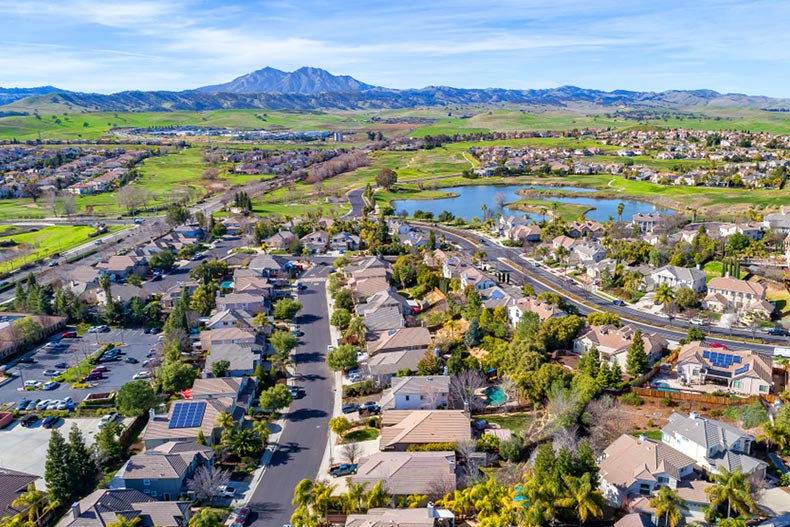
(303, 494)
(15, 521)
(34, 500)
(543, 211)
(378, 496)
(323, 497)
(281, 361)
(554, 216)
(581, 496)
(356, 330)
(668, 504)
(620, 209)
(262, 429)
(664, 294)
(123, 521)
(491, 498)
(224, 420)
(304, 517)
(355, 494)
(732, 522)
(241, 441)
(733, 489)
(205, 518)
(451, 325)
(774, 435)
(562, 253)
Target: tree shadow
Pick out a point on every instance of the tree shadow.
(304, 414)
(285, 453)
(311, 377)
(307, 318)
(303, 358)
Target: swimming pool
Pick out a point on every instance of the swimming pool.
(663, 386)
(495, 396)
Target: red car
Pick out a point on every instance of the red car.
(69, 335)
(718, 345)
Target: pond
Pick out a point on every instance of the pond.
(470, 199)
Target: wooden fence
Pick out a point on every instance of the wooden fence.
(701, 397)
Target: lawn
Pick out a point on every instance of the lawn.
(514, 422)
(655, 435)
(567, 211)
(364, 434)
(36, 245)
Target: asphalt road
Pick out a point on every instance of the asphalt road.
(135, 344)
(639, 319)
(356, 202)
(301, 445)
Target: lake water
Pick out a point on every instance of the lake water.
(470, 198)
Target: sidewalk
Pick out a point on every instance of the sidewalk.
(331, 453)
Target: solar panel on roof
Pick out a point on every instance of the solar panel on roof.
(706, 354)
(742, 369)
(187, 414)
(737, 359)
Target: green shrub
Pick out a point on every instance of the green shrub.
(432, 447)
(632, 399)
(373, 422)
(359, 389)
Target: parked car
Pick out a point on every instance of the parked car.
(42, 405)
(65, 405)
(27, 360)
(51, 373)
(618, 302)
(141, 375)
(51, 385)
(225, 491)
(100, 369)
(50, 421)
(61, 365)
(295, 392)
(69, 335)
(32, 384)
(346, 469)
(21, 405)
(371, 406)
(778, 332)
(53, 404)
(350, 408)
(92, 377)
(28, 420)
(131, 360)
(56, 345)
(107, 419)
(32, 405)
(242, 515)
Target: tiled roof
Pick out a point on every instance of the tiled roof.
(408, 472)
(154, 465)
(12, 484)
(391, 362)
(705, 432)
(401, 338)
(423, 426)
(629, 458)
(728, 283)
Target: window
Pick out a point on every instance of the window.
(153, 494)
(407, 397)
(737, 384)
(644, 489)
(146, 482)
(663, 480)
(763, 388)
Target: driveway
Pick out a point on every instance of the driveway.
(301, 445)
(134, 343)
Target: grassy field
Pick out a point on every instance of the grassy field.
(35, 245)
(566, 211)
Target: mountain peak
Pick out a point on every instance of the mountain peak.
(306, 80)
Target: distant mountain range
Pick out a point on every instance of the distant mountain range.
(314, 89)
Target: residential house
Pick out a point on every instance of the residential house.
(192, 231)
(508, 222)
(420, 517)
(384, 366)
(529, 304)
(588, 253)
(368, 263)
(280, 241)
(316, 242)
(647, 222)
(404, 428)
(230, 319)
(240, 389)
(586, 229)
(186, 419)
(242, 348)
(416, 239)
(417, 393)
(430, 474)
(472, 277)
(106, 506)
(266, 265)
(523, 233)
(173, 294)
(163, 471)
(383, 311)
(739, 295)
(494, 297)
(563, 241)
(12, 485)
(401, 339)
(121, 266)
(741, 371)
(344, 241)
(613, 343)
(452, 266)
(712, 444)
(122, 293)
(677, 277)
(638, 466)
(252, 303)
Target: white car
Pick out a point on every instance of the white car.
(42, 405)
(32, 384)
(224, 491)
(141, 375)
(53, 405)
(107, 419)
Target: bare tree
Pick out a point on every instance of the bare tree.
(351, 452)
(566, 438)
(499, 200)
(206, 482)
(68, 203)
(441, 486)
(32, 190)
(604, 415)
(210, 173)
(464, 387)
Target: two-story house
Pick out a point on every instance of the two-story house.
(647, 222)
(677, 277)
(163, 471)
(741, 371)
(613, 343)
(316, 242)
(472, 277)
(417, 393)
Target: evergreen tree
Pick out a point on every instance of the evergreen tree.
(56, 469)
(590, 362)
(636, 360)
(473, 334)
(82, 464)
(19, 297)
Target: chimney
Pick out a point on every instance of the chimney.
(431, 510)
(642, 438)
(75, 510)
(151, 414)
(693, 415)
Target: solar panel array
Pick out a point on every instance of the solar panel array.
(187, 415)
(721, 360)
(742, 369)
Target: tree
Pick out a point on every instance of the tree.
(473, 334)
(340, 318)
(602, 318)
(342, 358)
(283, 342)
(83, 468)
(694, 334)
(668, 504)
(343, 299)
(27, 329)
(590, 362)
(286, 309)
(206, 481)
(378, 496)
(581, 496)
(123, 521)
(733, 489)
(664, 294)
(204, 299)
(56, 469)
(225, 420)
(220, 368)
(636, 359)
(176, 214)
(176, 376)
(351, 452)
(340, 425)
(242, 441)
(205, 517)
(686, 298)
(386, 178)
(34, 500)
(32, 190)
(429, 364)
(275, 398)
(108, 445)
(620, 209)
(464, 386)
(135, 398)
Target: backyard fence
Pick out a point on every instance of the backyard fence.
(700, 397)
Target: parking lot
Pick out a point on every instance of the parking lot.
(25, 449)
(134, 343)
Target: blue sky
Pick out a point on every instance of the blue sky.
(111, 45)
